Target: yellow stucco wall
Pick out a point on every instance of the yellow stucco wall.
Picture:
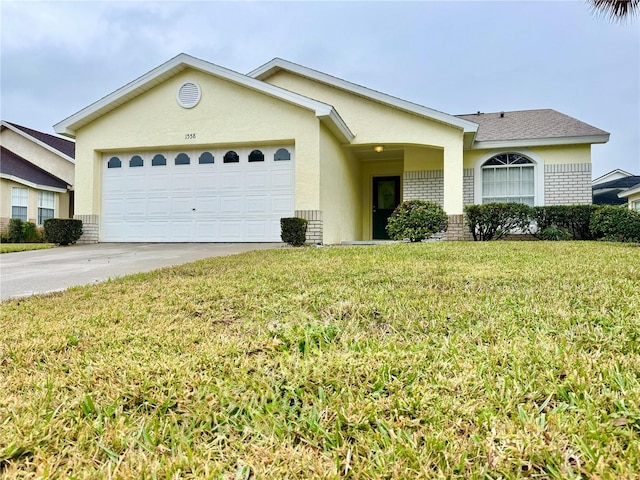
(423, 158)
(228, 114)
(370, 121)
(340, 190)
(61, 206)
(552, 155)
(634, 201)
(38, 155)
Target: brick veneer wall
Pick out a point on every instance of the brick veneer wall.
(90, 228)
(314, 227)
(567, 184)
(468, 188)
(424, 185)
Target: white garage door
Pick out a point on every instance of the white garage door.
(206, 195)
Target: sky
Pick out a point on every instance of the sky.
(457, 56)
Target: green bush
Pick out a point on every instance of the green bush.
(554, 233)
(574, 219)
(616, 223)
(15, 232)
(416, 220)
(62, 231)
(293, 231)
(30, 233)
(493, 221)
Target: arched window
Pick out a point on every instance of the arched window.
(206, 157)
(256, 156)
(282, 154)
(136, 161)
(183, 159)
(158, 160)
(508, 177)
(231, 157)
(114, 162)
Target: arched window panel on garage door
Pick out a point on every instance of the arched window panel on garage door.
(158, 160)
(231, 157)
(114, 162)
(256, 156)
(282, 154)
(182, 159)
(136, 161)
(205, 158)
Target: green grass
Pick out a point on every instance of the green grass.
(452, 360)
(23, 247)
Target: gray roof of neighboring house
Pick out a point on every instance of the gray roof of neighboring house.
(16, 166)
(527, 124)
(61, 144)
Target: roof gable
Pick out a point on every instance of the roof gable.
(14, 167)
(612, 175)
(325, 113)
(278, 64)
(60, 146)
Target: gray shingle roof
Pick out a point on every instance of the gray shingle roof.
(16, 166)
(529, 124)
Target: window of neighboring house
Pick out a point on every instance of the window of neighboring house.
(231, 157)
(206, 157)
(183, 159)
(636, 205)
(256, 156)
(46, 206)
(158, 160)
(19, 201)
(136, 161)
(282, 154)
(114, 162)
(508, 177)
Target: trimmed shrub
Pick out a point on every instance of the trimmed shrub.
(554, 234)
(574, 219)
(30, 233)
(15, 232)
(416, 220)
(493, 221)
(293, 231)
(63, 231)
(616, 223)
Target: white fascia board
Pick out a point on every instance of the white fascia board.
(336, 125)
(631, 191)
(540, 142)
(38, 142)
(604, 178)
(272, 67)
(175, 65)
(27, 183)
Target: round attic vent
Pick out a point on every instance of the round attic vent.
(188, 95)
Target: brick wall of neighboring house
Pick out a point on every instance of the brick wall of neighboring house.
(567, 184)
(314, 227)
(90, 228)
(425, 185)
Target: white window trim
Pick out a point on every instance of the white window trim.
(538, 172)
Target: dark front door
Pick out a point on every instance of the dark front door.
(386, 197)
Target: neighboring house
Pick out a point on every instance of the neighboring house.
(193, 152)
(36, 175)
(607, 187)
(632, 196)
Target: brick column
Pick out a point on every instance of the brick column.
(90, 228)
(314, 227)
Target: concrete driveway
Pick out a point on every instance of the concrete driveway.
(41, 271)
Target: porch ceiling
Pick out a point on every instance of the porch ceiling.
(367, 152)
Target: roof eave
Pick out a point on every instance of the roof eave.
(541, 142)
(170, 68)
(37, 186)
(630, 191)
(277, 64)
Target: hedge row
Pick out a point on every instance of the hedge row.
(493, 221)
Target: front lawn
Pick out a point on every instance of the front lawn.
(456, 360)
(23, 247)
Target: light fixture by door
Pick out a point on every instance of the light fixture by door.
(378, 148)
